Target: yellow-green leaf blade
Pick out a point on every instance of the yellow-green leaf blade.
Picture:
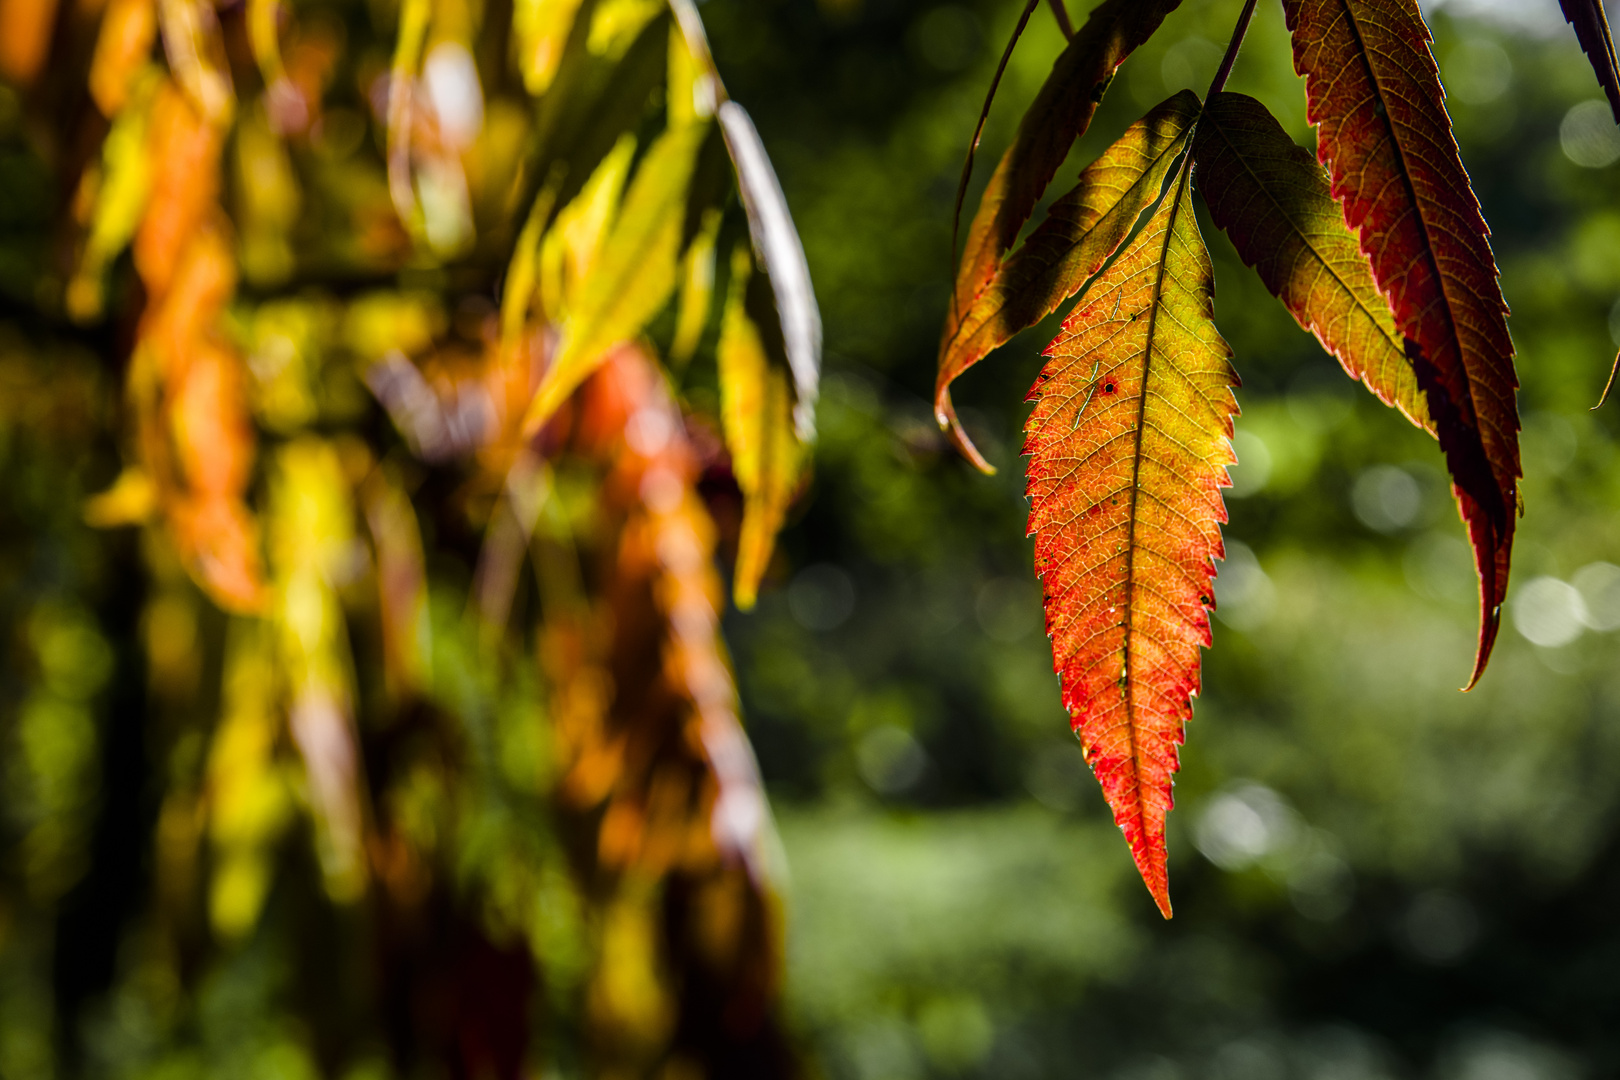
(634, 274)
(1272, 199)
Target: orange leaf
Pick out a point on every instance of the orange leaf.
(123, 44)
(1127, 442)
(25, 38)
(1272, 199)
(1372, 86)
(185, 185)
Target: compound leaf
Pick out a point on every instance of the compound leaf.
(1128, 444)
(1372, 87)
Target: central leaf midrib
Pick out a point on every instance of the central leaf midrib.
(1417, 207)
(1135, 489)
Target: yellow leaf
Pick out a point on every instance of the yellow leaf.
(634, 274)
(571, 247)
(697, 290)
(130, 501)
(756, 411)
(120, 200)
(541, 28)
(616, 24)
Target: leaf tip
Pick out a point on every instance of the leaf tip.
(1489, 625)
(1150, 863)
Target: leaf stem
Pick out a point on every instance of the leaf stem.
(978, 132)
(1232, 47)
(1614, 371)
(1061, 13)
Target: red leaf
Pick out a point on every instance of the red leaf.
(1372, 86)
(1128, 448)
(1592, 28)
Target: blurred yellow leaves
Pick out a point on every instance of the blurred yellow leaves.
(540, 29)
(312, 548)
(756, 408)
(634, 274)
(115, 196)
(249, 798)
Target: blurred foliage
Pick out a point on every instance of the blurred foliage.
(1376, 876)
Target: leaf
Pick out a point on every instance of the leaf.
(414, 16)
(185, 150)
(1127, 443)
(1372, 87)
(120, 202)
(541, 29)
(570, 249)
(1272, 199)
(123, 46)
(311, 534)
(1080, 232)
(195, 48)
(592, 102)
(777, 244)
(1060, 114)
(697, 290)
(635, 272)
(26, 27)
(1592, 29)
(756, 410)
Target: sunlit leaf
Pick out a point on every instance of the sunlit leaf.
(756, 408)
(1272, 199)
(413, 24)
(570, 250)
(777, 243)
(310, 536)
(635, 272)
(1080, 232)
(121, 199)
(1373, 89)
(540, 28)
(185, 149)
(196, 54)
(697, 290)
(1127, 443)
